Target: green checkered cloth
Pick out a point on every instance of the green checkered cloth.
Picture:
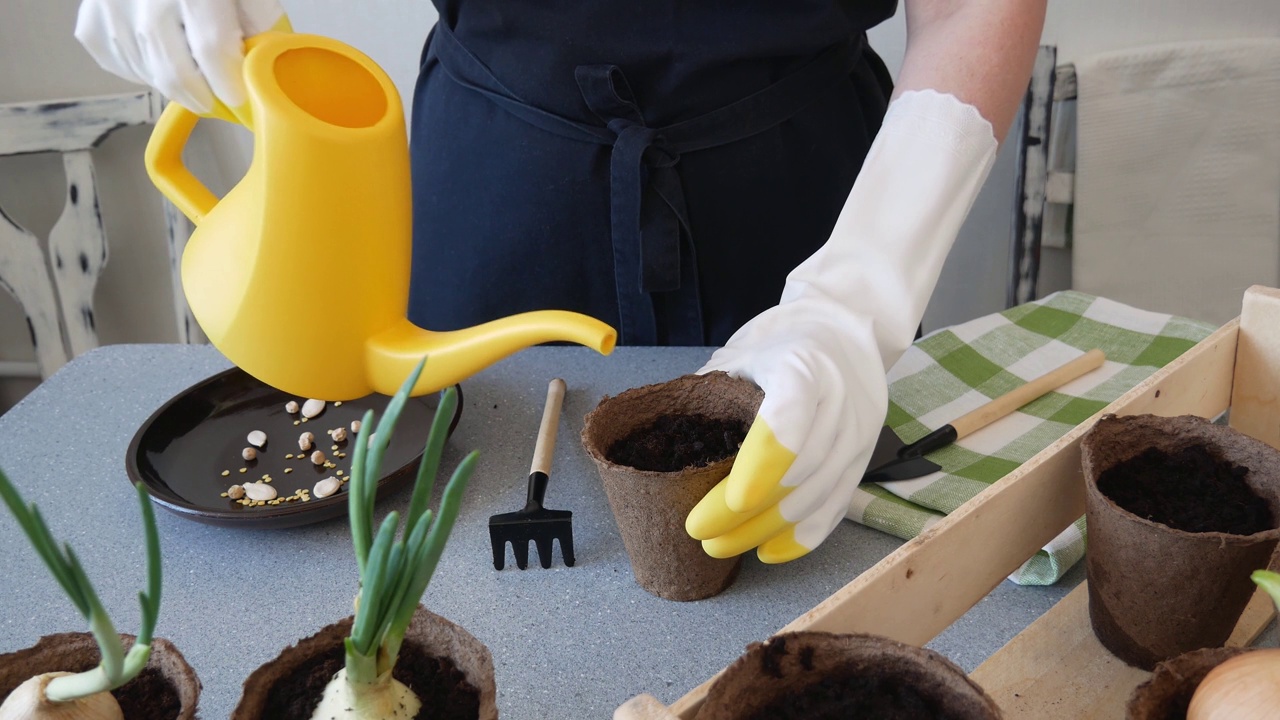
(950, 372)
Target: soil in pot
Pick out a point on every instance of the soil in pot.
(825, 676)
(1190, 489)
(675, 442)
(438, 683)
(154, 694)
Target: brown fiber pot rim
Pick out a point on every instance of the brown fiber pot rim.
(611, 403)
(746, 682)
(1211, 436)
(437, 635)
(80, 649)
(1165, 695)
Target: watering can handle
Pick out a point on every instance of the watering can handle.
(165, 166)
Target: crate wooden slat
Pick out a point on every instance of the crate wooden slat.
(1057, 670)
(931, 581)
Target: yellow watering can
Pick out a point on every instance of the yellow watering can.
(300, 275)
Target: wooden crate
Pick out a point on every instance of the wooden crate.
(1055, 668)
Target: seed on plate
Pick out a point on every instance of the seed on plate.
(226, 473)
(317, 458)
(338, 404)
(288, 470)
(259, 491)
(327, 487)
(257, 438)
(312, 408)
(295, 422)
(249, 453)
(291, 407)
(244, 469)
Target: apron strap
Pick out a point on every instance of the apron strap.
(653, 249)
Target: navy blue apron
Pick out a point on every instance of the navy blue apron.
(660, 165)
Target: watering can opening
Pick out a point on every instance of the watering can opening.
(330, 87)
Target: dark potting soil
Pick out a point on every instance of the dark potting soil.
(676, 442)
(442, 688)
(149, 696)
(1191, 490)
(849, 695)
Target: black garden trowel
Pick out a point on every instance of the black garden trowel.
(893, 459)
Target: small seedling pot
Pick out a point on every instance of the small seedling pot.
(446, 666)
(650, 507)
(817, 675)
(166, 689)
(1156, 592)
(1166, 695)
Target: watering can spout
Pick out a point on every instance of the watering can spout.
(453, 356)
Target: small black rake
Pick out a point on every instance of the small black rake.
(534, 522)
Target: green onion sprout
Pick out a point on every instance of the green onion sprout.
(394, 572)
(116, 667)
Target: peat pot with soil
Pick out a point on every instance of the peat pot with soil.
(659, 449)
(825, 676)
(1180, 511)
(98, 675)
(393, 659)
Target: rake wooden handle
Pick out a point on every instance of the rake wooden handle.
(977, 419)
(546, 444)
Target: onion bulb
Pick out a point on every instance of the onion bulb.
(1246, 687)
(28, 702)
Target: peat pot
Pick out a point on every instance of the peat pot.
(447, 667)
(821, 676)
(1155, 591)
(1167, 693)
(166, 689)
(650, 506)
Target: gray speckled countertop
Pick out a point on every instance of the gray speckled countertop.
(567, 642)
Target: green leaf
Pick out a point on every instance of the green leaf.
(155, 573)
(1269, 581)
(435, 542)
(430, 464)
(373, 592)
(359, 512)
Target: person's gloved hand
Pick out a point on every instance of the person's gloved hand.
(190, 50)
(846, 315)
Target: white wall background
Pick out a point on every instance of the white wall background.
(40, 60)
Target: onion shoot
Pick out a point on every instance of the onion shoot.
(84, 695)
(394, 573)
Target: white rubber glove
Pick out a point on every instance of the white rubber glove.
(189, 50)
(846, 315)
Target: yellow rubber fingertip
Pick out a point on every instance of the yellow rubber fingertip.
(782, 548)
(747, 535)
(710, 517)
(758, 470)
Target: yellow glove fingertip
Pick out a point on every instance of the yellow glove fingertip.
(710, 517)
(747, 535)
(757, 472)
(782, 548)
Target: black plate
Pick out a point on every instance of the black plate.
(180, 452)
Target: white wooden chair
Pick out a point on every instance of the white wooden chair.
(55, 290)
(1045, 165)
